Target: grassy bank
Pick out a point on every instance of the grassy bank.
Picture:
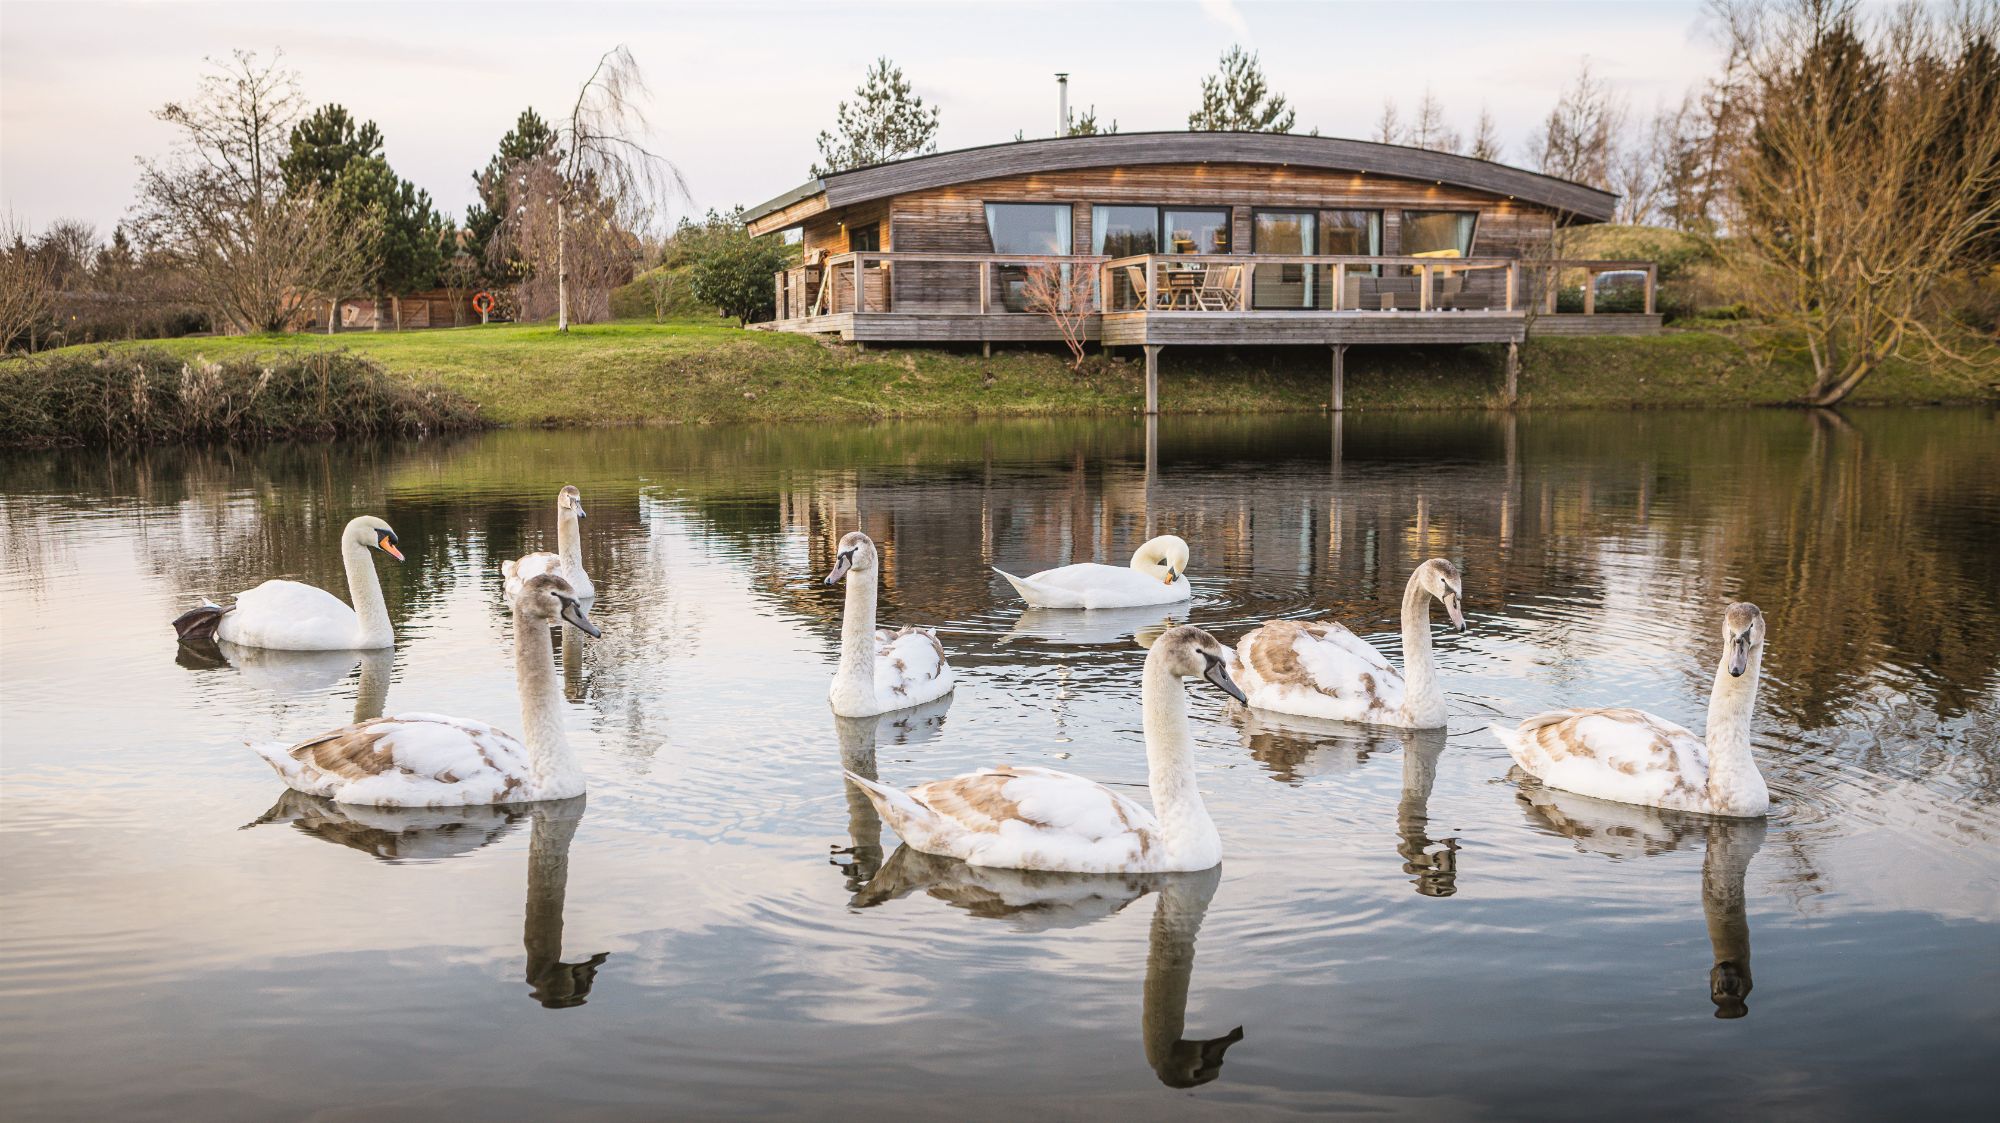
(149, 395)
(698, 371)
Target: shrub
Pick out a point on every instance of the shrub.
(149, 396)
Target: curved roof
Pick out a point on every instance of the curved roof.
(878, 181)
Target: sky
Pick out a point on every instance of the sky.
(740, 90)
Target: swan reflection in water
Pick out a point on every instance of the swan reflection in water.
(1036, 901)
(399, 834)
(1296, 748)
(1627, 830)
(297, 672)
(859, 736)
(1095, 627)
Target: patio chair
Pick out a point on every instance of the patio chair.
(1137, 277)
(1221, 289)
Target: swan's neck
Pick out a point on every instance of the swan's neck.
(364, 588)
(569, 539)
(856, 674)
(1733, 779)
(1185, 827)
(555, 770)
(1423, 699)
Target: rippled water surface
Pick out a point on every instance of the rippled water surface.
(721, 927)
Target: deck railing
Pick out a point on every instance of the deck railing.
(913, 283)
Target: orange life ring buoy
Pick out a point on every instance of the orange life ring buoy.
(482, 302)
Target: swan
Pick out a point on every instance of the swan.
(428, 760)
(566, 562)
(1157, 575)
(1631, 756)
(1320, 669)
(1017, 817)
(880, 670)
(293, 616)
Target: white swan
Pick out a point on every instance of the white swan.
(880, 670)
(1320, 669)
(1157, 575)
(293, 616)
(1016, 817)
(1631, 756)
(566, 562)
(427, 760)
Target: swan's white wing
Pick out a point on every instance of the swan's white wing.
(532, 565)
(910, 667)
(1023, 818)
(1620, 754)
(410, 760)
(1318, 669)
(290, 616)
(1095, 585)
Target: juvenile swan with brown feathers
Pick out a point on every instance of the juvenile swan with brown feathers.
(428, 760)
(1320, 669)
(293, 616)
(880, 669)
(1631, 756)
(1018, 817)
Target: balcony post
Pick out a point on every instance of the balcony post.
(985, 285)
(1244, 271)
(1652, 285)
(1152, 301)
(1513, 282)
(1589, 291)
(1152, 378)
(1339, 288)
(1423, 288)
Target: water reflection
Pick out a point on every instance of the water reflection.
(1040, 901)
(1626, 830)
(398, 834)
(861, 859)
(297, 672)
(1072, 627)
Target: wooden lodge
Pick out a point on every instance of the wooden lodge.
(1197, 238)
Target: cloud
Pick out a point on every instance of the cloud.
(1226, 13)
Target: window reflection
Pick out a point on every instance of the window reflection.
(1037, 228)
(1437, 233)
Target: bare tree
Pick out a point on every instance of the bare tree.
(602, 168)
(1638, 169)
(1578, 141)
(27, 286)
(1485, 137)
(569, 245)
(1429, 128)
(1389, 126)
(1873, 165)
(218, 211)
(1066, 295)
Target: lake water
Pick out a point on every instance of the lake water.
(721, 927)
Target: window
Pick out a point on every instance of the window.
(1037, 228)
(1282, 232)
(1124, 231)
(1203, 231)
(1348, 234)
(865, 239)
(1438, 233)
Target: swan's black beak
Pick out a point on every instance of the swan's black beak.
(387, 544)
(578, 508)
(574, 615)
(1739, 656)
(1218, 674)
(841, 565)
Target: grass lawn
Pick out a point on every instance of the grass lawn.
(708, 370)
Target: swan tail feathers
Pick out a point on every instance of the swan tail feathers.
(198, 625)
(1024, 589)
(1508, 737)
(896, 806)
(278, 755)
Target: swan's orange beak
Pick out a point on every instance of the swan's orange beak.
(1171, 576)
(388, 546)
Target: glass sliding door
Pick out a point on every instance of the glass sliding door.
(1124, 232)
(1283, 232)
(1026, 228)
(1348, 234)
